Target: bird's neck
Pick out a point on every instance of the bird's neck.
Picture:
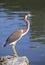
(27, 25)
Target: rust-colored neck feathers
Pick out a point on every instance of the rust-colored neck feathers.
(27, 24)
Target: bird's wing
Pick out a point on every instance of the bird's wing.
(13, 37)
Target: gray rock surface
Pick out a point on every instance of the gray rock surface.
(12, 60)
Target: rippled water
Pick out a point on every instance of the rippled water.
(31, 45)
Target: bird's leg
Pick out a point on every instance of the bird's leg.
(14, 50)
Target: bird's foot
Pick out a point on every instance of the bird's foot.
(16, 55)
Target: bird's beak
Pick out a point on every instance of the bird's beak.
(30, 15)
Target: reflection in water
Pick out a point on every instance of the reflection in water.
(38, 28)
(34, 47)
(12, 18)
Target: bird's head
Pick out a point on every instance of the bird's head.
(26, 16)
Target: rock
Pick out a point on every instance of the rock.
(12, 60)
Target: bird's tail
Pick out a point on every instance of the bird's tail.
(4, 45)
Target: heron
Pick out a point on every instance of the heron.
(16, 36)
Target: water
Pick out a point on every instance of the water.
(31, 45)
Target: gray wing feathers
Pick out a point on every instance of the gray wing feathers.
(13, 37)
